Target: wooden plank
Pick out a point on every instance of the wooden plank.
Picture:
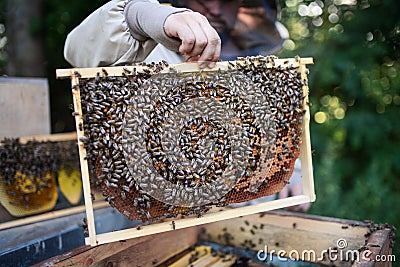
(206, 261)
(24, 107)
(141, 251)
(181, 67)
(274, 232)
(199, 251)
(58, 137)
(305, 147)
(280, 230)
(67, 258)
(225, 262)
(161, 248)
(50, 215)
(377, 250)
(83, 161)
(224, 214)
(186, 259)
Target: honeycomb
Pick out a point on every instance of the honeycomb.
(32, 172)
(162, 142)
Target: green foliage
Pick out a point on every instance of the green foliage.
(61, 17)
(355, 92)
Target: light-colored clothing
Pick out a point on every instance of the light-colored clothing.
(122, 32)
(160, 52)
(106, 38)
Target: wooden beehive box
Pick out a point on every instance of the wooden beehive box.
(253, 113)
(29, 111)
(308, 240)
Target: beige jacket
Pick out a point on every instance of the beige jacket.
(125, 31)
(104, 38)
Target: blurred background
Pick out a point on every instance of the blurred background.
(354, 89)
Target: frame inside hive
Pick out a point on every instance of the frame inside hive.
(216, 214)
(17, 215)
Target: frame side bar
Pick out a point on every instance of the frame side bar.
(83, 160)
(305, 149)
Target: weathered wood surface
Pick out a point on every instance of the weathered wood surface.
(24, 107)
(49, 215)
(185, 67)
(57, 137)
(213, 216)
(278, 230)
(142, 251)
(304, 234)
(380, 244)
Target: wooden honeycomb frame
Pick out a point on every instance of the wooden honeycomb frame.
(42, 215)
(222, 214)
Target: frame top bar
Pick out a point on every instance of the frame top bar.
(181, 67)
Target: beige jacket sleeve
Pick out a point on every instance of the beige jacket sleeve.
(119, 33)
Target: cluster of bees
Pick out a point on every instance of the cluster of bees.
(162, 143)
(29, 173)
